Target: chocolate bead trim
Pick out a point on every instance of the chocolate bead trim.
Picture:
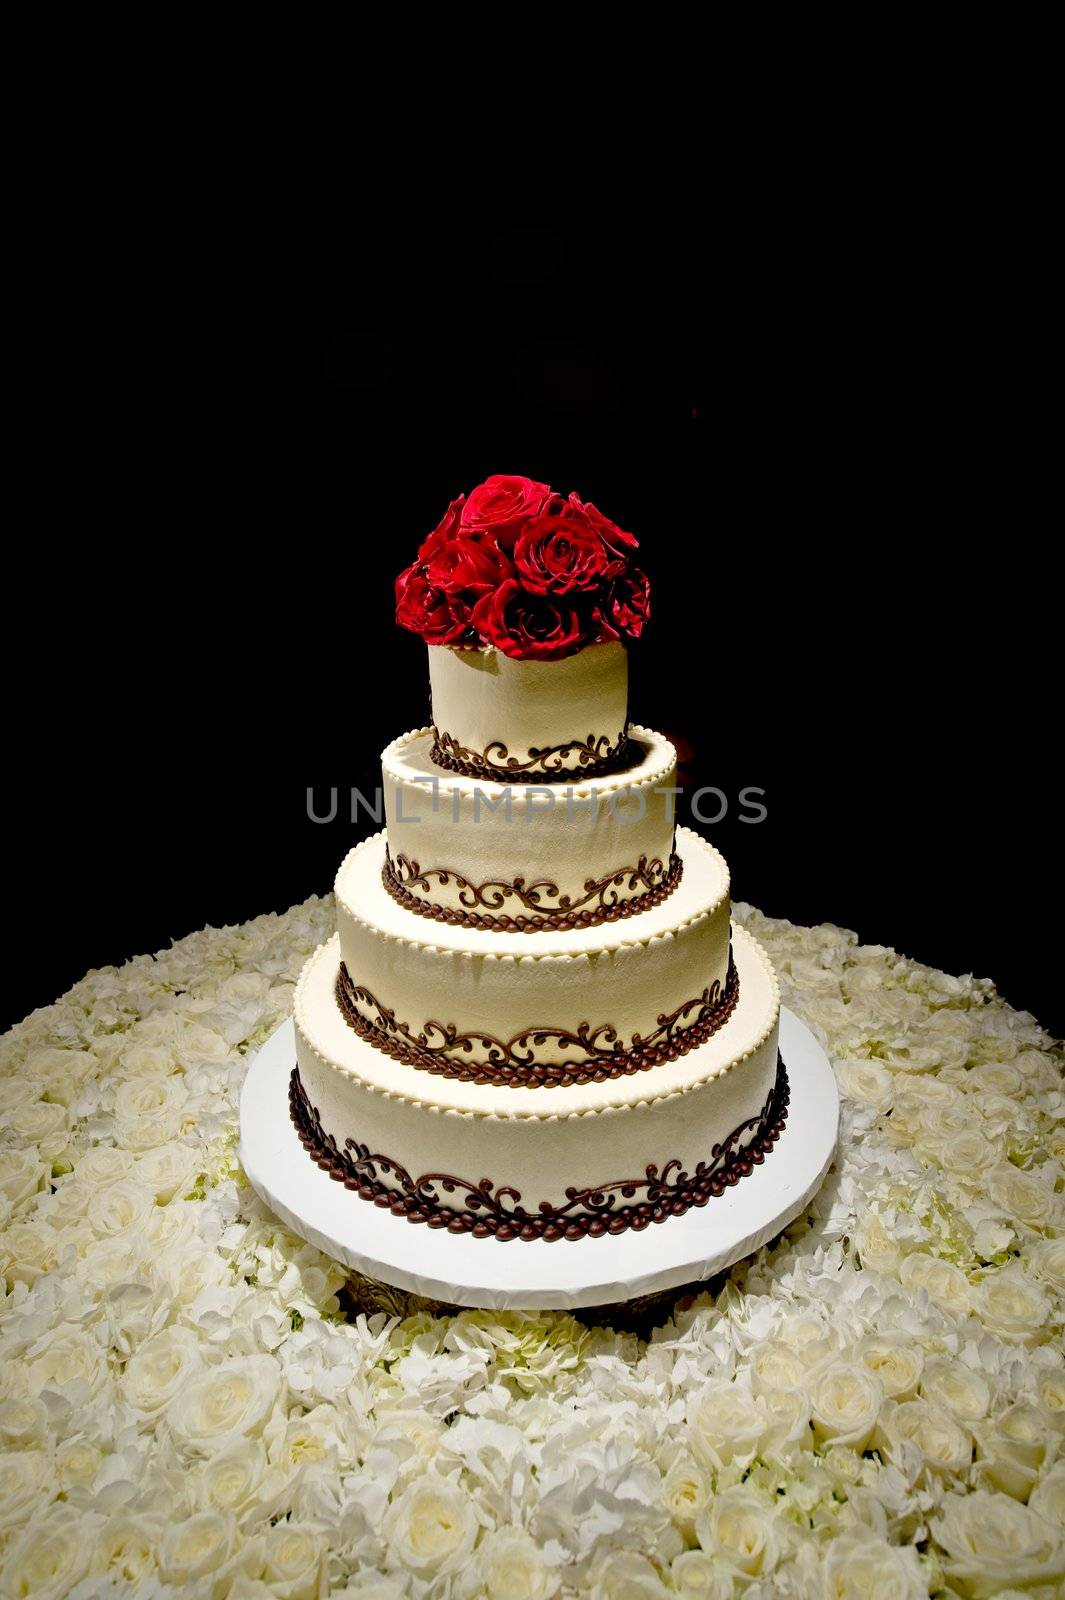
(494, 1211)
(401, 876)
(512, 1063)
(595, 758)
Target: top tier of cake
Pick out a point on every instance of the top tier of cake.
(529, 721)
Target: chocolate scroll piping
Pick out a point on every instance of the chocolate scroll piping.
(646, 884)
(595, 1053)
(488, 1210)
(595, 757)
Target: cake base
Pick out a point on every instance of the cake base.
(567, 1275)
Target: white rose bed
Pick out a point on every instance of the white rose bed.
(872, 1407)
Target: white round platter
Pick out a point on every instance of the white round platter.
(567, 1274)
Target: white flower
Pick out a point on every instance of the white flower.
(866, 1082)
(149, 1098)
(738, 1527)
(225, 1403)
(626, 1575)
(23, 1424)
(103, 1164)
(860, 1566)
(21, 1174)
(877, 1245)
(37, 1121)
(510, 1566)
(697, 1575)
(48, 1558)
(726, 1424)
(67, 1361)
(967, 1155)
(77, 1462)
(27, 1249)
(685, 1492)
(992, 1542)
(1047, 1262)
(846, 1401)
(1024, 1196)
(119, 1208)
(1051, 1388)
(947, 1285)
(431, 1527)
(1010, 1304)
(124, 1550)
(230, 1479)
(16, 1092)
(167, 1171)
(775, 1365)
(292, 1561)
(196, 1546)
(1013, 1447)
(160, 1369)
(957, 1387)
(896, 1362)
(1048, 1498)
(946, 1447)
(24, 1485)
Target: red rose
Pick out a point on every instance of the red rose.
(468, 565)
(427, 611)
(446, 530)
(629, 604)
(501, 504)
(531, 627)
(617, 541)
(560, 552)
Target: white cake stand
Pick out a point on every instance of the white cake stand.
(464, 1271)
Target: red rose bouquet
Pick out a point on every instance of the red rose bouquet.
(515, 565)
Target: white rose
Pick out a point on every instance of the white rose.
(168, 1171)
(897, 1364)
(738, 1527)
(28, 1249)
(812, 1339)
(1001, 1077)
(102, 1164)
(1004, 1120)
(149, 1098)
(37, 1121)
(967, 1155)
(1047, 1261)
(370, 1586)
(945, 1446)
(190, 1269)
(1048, 1498)
(846, 1401)
(196, 1546)
(1024, 1197)
(77, 1461)
(292, 1561)
(48, 1558)
(160, 1369)
(945, 1284)
(124, 1550)
(952, 1384)
(697, 1575)
(877, 1246)
(21, 1174)
(20, 1091)
(510, 1566)
(23, 1424)
(861, 1566)
(775, 1365)
(726, 1424)
(229, 1480)
(1052, 1392)
(626, 1575)
(842, 1464)
(1010, 1305)
(119, 1208)
(789, 1419)
(67, 1360)
(866, 1082)
(431, 1528)
(318, 1435)
(226, 1402)
(62, 1072)
(1013, 1447)
(992, 1542)
(685, 1492)
(25, 1485)
(148, 1061)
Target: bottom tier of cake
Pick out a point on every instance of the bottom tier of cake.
(544, 1162)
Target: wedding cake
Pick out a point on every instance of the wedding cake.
(536, 1019)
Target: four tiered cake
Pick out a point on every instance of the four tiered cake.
(535, 1020)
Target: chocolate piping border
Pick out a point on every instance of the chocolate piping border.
(512, 1063)
(596, 758)
(494, 1211)
(569, 916)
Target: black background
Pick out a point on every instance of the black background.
(852, 607)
